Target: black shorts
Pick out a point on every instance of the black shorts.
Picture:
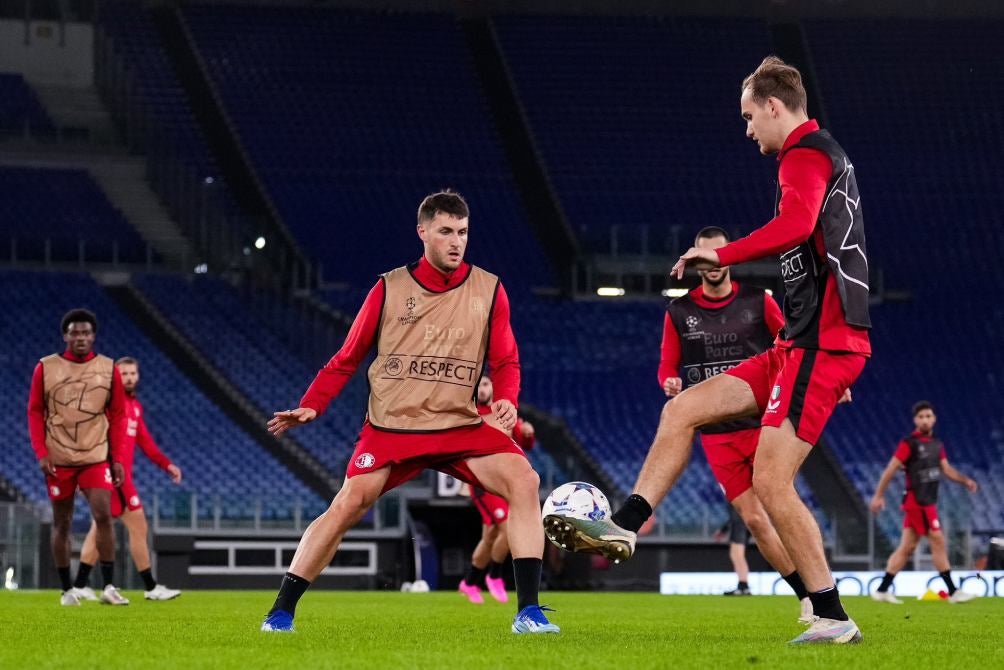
(738, 532)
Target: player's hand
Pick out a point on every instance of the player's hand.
(46, 465)
(846, 397)
(877, 504)
(718, 536)
(699, 259)
(175, 472)
(505, 412)
(283, 421)
(972, 486)
(672, 386)
(118, 474)
(528, 430)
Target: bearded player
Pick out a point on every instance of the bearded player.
(921, 455)
(490, 553)
(434, 324)
(126, 503)
(794, 386)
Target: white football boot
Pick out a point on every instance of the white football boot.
(111, 596)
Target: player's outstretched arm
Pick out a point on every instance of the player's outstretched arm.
(283, 421)
(699, 259)
(878, 500)
(958, 477)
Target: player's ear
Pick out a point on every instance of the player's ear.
(421, 231)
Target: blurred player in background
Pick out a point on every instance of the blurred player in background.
(126, 503)
(921, 455)
(76, 420)
(711, 329)
(489, 555)
(434, 324)
(738, 536)
(794, 386)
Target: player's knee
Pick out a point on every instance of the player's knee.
(522, 484)
(102, 517)
(680, 411)
(352, 499)
(767, 487)
(757, 522)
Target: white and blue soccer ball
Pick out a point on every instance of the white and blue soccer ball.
(578, 500)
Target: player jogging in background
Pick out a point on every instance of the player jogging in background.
(709, 330)
(794, 386)
(922, 457)
(434, 324)
(126, 503)
(76, 420)
(490, 553)
(739, 536)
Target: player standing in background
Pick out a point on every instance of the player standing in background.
(490, 553)
(739, 536)
(818, 231)
(716, 326)
(126, 503)
(76, 420)
(922, 457)
(433, 324)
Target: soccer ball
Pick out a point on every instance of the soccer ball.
(578, 500)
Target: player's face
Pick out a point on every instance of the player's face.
(924, 420)
(718, 275)
(79, 338)
(130, 376)
(485, 391)
(762, 124)
(445, 239)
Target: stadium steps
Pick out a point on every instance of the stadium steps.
(530, 175)
(188, 359)
(9, 492)
(73, 108)
(224, 142)
(124, 182)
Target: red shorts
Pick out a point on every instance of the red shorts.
(125, 497)
(730, 456)
(408, 454)
(923, 519)
(801, 385)
(67, 480)
(493, 509)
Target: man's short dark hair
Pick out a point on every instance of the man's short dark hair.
(78, 315)
(446, 202)
(919, 407)
(127, 360)
(711, 231)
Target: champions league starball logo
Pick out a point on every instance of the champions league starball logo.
(410, 317)
(692, 323)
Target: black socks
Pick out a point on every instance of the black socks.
(886, 582)
(64, 578)
(947, 576)
(797, 585)
(494, 570)
(527, 571)
(826, 604)
(633, 513)
(107, 572)
(83, 574)
(290, 592)
(744, 586)
(475, 575)
(148, 581)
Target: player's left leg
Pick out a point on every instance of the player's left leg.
(480, 559)
(939, 556)
(897, 561)
(779, 456)
(499, 551)
(100, 501)
(510, 476)
(737, 556)
(134, 519)
(88, 559)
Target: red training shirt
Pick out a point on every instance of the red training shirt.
(903, 454)
(803, 177)
(503, 356)
(138, 434)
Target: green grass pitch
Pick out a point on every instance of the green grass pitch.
(204, 629)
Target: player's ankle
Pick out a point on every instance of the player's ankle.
(826, 604)
(633, 513)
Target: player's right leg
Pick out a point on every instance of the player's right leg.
(737, 556)
(897, 561)
(939, 556)
(100, 501)
(717, 399)
(62, 518)
(480, 558)
(134, 520)
(499, 551)
(320, 542)
(88, 559)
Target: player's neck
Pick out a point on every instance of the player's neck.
(722, 290)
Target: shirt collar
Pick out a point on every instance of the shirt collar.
(70, 356)
(436, 280)
(795, 136)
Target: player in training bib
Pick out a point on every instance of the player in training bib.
(433, 324)
(921, 455)
(794, 386)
